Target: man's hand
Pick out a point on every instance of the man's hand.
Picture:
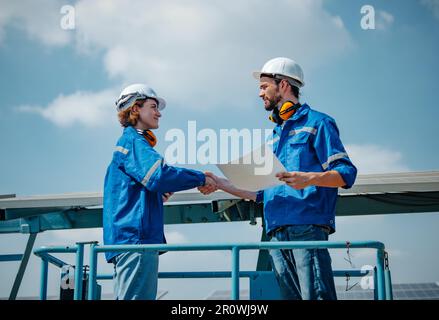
(296, 180)
(166, 196)
(209, 186)
(299, 180)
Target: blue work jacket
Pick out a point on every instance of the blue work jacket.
(309, 142)
(134, 183)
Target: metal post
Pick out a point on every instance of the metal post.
(235, 273)
(387, 278)
(93, 272)
(23, 265)
(79, 271)
(375, 284)
(44, 273)
(380, 274)
(264, 263)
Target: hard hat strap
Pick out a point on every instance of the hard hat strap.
(291, 81)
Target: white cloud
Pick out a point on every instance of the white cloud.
(193, 52)
(39, 19)
(433, 5)
(376, 159)
(205, 51)
(384, 20)
(88, 108)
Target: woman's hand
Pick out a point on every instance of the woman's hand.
(209, 186)
(222, 183)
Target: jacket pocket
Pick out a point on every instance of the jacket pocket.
(298, 150)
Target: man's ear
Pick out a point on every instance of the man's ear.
(286, 83)
(283, 85)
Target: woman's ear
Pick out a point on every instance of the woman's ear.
(135, 109)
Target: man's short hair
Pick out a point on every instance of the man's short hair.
(294, 88)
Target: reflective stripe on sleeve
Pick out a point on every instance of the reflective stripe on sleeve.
(151, 171)
(122, 150)
(333, 158)
(304, 129)
(273, 141)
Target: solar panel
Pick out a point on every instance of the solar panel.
(404, 291)
(369, 183)
(227, 294)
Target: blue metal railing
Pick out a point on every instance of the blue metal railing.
(381, 276)
(10, 257)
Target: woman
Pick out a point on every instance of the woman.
(137, 183)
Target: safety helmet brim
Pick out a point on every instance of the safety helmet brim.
(162, 103)
(257, 75)
(136, 92)
(130, 102)
(282, 68)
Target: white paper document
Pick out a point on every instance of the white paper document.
(254, 171)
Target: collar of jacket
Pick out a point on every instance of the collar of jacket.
(302, 111)
(131, 131)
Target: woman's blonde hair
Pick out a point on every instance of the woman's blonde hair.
(129, 117)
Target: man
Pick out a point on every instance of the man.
(307, 143)
(136, 185)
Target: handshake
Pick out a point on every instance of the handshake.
(214, 183)
(296, 180)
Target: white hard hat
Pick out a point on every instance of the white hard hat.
(135, 92)
(284, 68)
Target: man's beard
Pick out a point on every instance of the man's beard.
(273, 104)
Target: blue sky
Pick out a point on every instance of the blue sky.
(58, 123)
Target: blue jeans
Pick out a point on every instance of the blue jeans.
(136, 275)
(303, 273)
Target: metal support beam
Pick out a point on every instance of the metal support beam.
(11, 257)
(23, 265)
(79, 270)
(264, 263)
(387, 203)
(7, 196)
(18, 218)
(43, 281)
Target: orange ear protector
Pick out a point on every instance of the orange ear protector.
(284, 113)
(147, 134)
(150, 137)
